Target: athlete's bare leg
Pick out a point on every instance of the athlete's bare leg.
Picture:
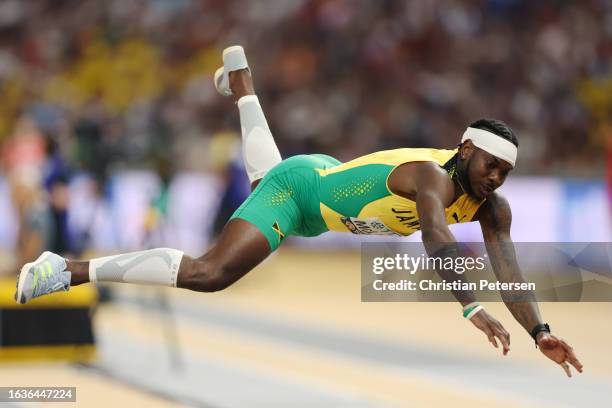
(239, 249)
(241, 84)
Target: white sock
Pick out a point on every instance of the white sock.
(258, 147)
(157, 266)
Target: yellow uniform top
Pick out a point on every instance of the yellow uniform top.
(355, 196)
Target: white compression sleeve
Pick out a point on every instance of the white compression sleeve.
(155, 267)
(258, 147)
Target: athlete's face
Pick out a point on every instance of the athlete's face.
(485, 172)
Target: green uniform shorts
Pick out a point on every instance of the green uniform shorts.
(287, 200)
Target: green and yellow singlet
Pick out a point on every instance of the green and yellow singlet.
(307, 195)
(354, 196)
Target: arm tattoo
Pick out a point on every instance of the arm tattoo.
(495, 220)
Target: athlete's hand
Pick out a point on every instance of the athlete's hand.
(558, 351)
(492, 328)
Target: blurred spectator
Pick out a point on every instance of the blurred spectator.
(38, 178)
(227, 163)
(55, 181)
(35, 222)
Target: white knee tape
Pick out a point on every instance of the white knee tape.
(258, 147)
(155, 267)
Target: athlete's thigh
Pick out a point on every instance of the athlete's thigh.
(271, 208)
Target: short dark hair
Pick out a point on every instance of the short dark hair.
(498, 127)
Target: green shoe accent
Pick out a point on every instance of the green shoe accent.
(35, 279)
(49, 269)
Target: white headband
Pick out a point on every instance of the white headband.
(492, 143)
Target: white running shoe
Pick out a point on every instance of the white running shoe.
(234, 59)
(45, 275)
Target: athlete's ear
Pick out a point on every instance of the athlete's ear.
(466, 149)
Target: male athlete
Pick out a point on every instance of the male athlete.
(393, 192)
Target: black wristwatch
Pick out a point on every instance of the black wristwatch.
(537, 329)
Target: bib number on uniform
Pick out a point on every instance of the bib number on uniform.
(367, 226)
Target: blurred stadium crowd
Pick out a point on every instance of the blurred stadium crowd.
(98, 86)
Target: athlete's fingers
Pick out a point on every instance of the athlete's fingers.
(571, 357)
(491, 337)
(566, 368)
(575, 362)
(504, 338)
(504, 342)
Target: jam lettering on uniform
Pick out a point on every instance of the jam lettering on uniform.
(367, 226)
(401, 211)
(413, 224)
(407, 219)
(456, 217)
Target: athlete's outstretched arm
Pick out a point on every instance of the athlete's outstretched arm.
(495, 219)
(434, 192)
